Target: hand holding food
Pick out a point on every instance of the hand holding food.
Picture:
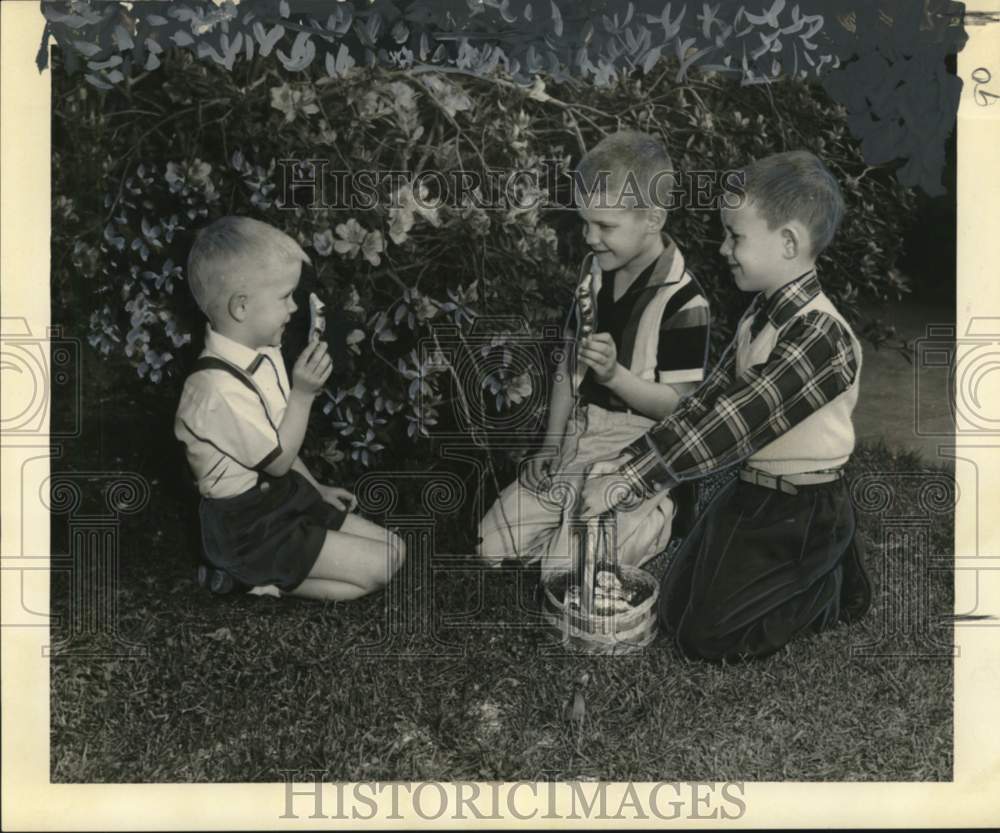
(317, 321)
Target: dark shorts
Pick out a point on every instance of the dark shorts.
(271, 534)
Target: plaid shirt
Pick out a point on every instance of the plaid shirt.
(730, 417)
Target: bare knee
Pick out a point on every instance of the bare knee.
(397, 553)
(394, 558)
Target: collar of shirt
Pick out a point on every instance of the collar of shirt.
(660, 272)
(235, 353)
(783, 304)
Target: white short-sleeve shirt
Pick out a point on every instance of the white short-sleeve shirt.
(228, 419)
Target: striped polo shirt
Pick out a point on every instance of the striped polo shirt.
(660, 326)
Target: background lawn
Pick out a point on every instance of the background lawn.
(239, 689)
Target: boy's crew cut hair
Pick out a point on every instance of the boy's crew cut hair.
(225, 250)
(629, 165)
(796, 185)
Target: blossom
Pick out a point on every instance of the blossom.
(453, 99)
(426, 308)
(294, 101)
(351, 235)
(519, 388)
(353, 301)
(323, 242)
(373, 245)
(400, 223)
(353, 238)
(406, 207)
(353, 339)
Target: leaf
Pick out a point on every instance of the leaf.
(97, 81)
(87, 49)
(113, 61)
(303, 52)
(768, 18)
(182, 38)
(340, 21)
(354, 338)
(373, 28)
(340, 66)
(42, 56)
(267, 40)
(670, 27)
(400, 32)
(73, 21)
(206, 50)
(532, 62)
(557, 20)
(650, 59)
(122, 38)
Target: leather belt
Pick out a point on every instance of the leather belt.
(788, 483)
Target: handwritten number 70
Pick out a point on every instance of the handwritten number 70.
(982, 76)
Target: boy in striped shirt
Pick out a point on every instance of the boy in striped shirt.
(648, 350)
(775, 554)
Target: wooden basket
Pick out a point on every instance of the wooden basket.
(614, 633)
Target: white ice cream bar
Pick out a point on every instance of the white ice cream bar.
(585, 301)
(317, 323)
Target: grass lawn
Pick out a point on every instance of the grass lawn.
(241, 689)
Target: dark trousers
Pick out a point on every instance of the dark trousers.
(760, 567)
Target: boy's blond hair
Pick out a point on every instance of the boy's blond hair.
(796, 185)
(229, 253)
(629, 164)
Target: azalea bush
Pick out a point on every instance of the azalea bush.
(447, 276)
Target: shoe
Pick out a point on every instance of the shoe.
(856, 590)
(218, 581)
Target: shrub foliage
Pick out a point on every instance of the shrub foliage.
(442, 295)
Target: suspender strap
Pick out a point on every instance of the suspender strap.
(215, 363)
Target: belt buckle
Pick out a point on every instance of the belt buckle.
(775, 482)
(787, 488)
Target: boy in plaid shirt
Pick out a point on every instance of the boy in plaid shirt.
(775, 553)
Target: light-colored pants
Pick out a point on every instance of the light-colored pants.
(531, 525)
